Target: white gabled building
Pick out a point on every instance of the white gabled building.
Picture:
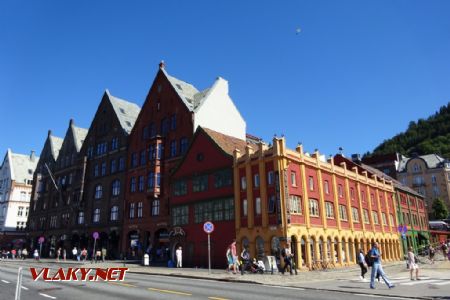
(16, 180)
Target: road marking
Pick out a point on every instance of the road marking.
(5, 281)
(284, 287)
(47, 296)
(420, 282)
(122, 284)
(25, 288)
(441, 283)
(217, 298)
(379, 296)
(169, 292)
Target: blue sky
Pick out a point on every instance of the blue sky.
(356, 74)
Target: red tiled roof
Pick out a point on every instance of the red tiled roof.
(225, 142)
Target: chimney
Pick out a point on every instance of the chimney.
(32, 156)
(71, 122)
(356, 158)
(162, 64)
(49, 133)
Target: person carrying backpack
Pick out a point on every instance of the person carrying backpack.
(287, 255)
(375, 254)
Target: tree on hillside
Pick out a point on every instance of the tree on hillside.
(440, 210)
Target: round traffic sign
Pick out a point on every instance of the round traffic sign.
(208, 227)
(41, 239)
(95, 235)
(402, 228)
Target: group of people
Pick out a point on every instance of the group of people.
(14, 254)
(373, 259)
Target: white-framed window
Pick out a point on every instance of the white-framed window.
(96, 215)
(366, 216)
(391, 219)
(244, 207)
(295, 204)
(352, 193)
(256, 180)
(271, 207)
(140, 209)
(355, 215)
(314, 208)
(133, 184)
(293, 178)
(329, 210)
(383, 216)
(27, 210)
(375, 217)
(116, 187)
(23, 196)
(155, 207)
(343, 212)
(98, 192)
(311, 183)
(258, 206)
(132, 207)
(114, 213)
(326, 187)
(340, 191)
(20, 211)
(270, 178)
(243, 183)
(80, 218)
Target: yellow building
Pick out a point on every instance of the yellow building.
(327, 209)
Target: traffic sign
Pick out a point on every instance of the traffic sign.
(41, 239)
(208, 227)
(95, 235)
(402, 229)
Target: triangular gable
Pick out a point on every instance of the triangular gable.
(125, 111)
(50, 152)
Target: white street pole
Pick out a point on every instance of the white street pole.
(93, 252)
(19, 284)
(209, 254)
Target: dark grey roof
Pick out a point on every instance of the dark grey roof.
(431, 160)
(79, 135)
(22, 166)
(55, 144)
(127, 112)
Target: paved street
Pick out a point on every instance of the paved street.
(144, 283)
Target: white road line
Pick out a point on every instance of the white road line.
(379, 296)
(48, 296)
(5, 281)
(25, 288)
(420, 282)
(284, 287)
(441, 283)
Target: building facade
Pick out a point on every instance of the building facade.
(429, 175)
(164, 129)
(326, 209)
(202, 190)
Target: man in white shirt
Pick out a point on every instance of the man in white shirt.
(179, 256)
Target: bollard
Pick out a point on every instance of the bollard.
(19, 284)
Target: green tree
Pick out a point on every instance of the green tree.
(440, 211)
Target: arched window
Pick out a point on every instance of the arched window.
(98, 192)
(116, 187)
(114, 213)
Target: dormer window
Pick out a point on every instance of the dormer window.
(122, 111)
(178, 86)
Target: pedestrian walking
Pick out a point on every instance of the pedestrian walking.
(444, 250)
(13, 253)
(375, 255)
(103, 254)
(286, 254)
(58, 254)
(84, 254)
(74, 253)
(19, 253)
(179, 256)
(36, 254)
(431, 252)
(234, 255)
(245, 255)
(24, 253)
(64, 254)
(229, 258)
(412, 264)
(362, 264)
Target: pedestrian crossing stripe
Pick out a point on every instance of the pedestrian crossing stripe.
(408, 282)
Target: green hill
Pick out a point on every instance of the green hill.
(422, 137)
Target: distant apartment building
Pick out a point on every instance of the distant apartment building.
(16, 178)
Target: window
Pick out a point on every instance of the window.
(391, 219)
(80, 218)
(152, 129)
(363, 197)
(114, 213)
(140, 209)
(214, 210)
(132, 207)
(143, 157)
(375, 217)
(313, 207)
(96, 173)
(173, 122)
(134, 160)
(133, 184)
(173, 148)
(352, 193)
(151, 180)
(340, 191)
(20, 211)
(116, 187)
(416, 168)
(159, 151)
(355, 215)
(158, 179)
(179, 188)
(183, 145)
(102, 148)
(271, 204)
(295, 204)
(258, 206)
(180, 215)
(200, 183)
(164, 126)
(121, 164)
(343, 212)
(436, 192)
(96, 215)
(27, 210)
(326, 187)
(98, 192)
(145, 133)
(151, 152)
(366, 216)
(256, 180)
(141, 184)
(270, 178)
(155, 207)
(113, 166)
(115, 143)
(103, 168)
(23, 195)
(293, 178)
(433, 179)
(383, 216)
(90, 152)
(329, 210)
(311, 183)
(223, 178)
(244, 207)
(243, 183)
